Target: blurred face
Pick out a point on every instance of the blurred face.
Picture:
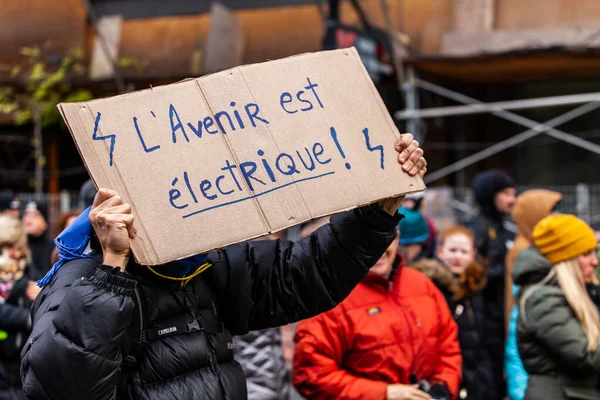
(383, 267)
(34, 222)
(12, 251)
(408, 203)
(505, 200)
(457, 253)
(411, 252)
(588, 263)
(11, 212)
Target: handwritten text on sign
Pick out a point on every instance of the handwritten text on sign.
(196, 195)
(235, 155)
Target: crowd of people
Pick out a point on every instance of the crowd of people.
(473, 312)
(379, 302)
(27, 254)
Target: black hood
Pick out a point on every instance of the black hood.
(485, 187)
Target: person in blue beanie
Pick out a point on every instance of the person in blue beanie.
(105, 327)
(414, 234)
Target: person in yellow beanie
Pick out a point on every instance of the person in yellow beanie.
(559, 325)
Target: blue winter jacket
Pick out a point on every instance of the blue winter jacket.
(516, 376)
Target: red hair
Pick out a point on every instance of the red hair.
(457, 230)
(475, 275)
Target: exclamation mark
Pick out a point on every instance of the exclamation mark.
(335, 140)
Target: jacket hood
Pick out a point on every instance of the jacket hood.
(531, 207)
(472, 282)
(530, 267)
(485, 187)
(436, 272)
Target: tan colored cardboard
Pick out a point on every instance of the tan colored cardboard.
(290, 184)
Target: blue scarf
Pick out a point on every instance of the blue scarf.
(72, 242)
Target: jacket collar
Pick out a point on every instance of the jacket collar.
(382, 284)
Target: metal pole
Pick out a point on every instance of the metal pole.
(411, 94)
(583, 201)
(479, 108)
(510, 142)
(120, 82)
(526, 122)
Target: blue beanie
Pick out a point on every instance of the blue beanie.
(413, 227)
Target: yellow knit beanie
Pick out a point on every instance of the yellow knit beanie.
(562, 237)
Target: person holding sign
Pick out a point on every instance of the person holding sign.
(106, 327)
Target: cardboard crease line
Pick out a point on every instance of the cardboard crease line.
(233, 155)
(279, 151)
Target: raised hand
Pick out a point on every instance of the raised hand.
(113, 222)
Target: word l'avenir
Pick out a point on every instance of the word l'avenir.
(231, 120)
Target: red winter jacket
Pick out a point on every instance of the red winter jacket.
(379, 335)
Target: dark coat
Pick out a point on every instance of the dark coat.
(85, 320)
(15, 322)
(468, 309)
(551, 340)
(491, 238)
(594, 293)
(41, 252)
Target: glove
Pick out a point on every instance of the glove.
(423, 385)
(439, 392)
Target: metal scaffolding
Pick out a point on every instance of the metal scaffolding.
(413, 116)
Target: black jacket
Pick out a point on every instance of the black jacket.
(15, 310)
(469, 314)
(41, 252)
(491, 239)
(13, 318)
(594, 293)
(468, 310)
(15, 322)
(86, 320)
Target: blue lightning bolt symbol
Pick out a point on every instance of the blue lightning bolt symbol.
(379, 148)
(112, 138)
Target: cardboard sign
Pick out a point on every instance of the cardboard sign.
(235, 155)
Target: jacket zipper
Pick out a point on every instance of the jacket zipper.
(470, 312)
(471, 316)
(138, 298)
(142, 338)
(404, 310)
(193, 310)
(212, 359)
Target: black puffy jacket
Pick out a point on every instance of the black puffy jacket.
(491, 239)
(16, 324)
(468, 310)
(469, 314)
(87, 319)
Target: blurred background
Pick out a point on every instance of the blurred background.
(506, 84)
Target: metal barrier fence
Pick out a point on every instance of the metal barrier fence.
(446, 205)
(449, 205)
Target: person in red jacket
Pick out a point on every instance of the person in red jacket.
(392, 338)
